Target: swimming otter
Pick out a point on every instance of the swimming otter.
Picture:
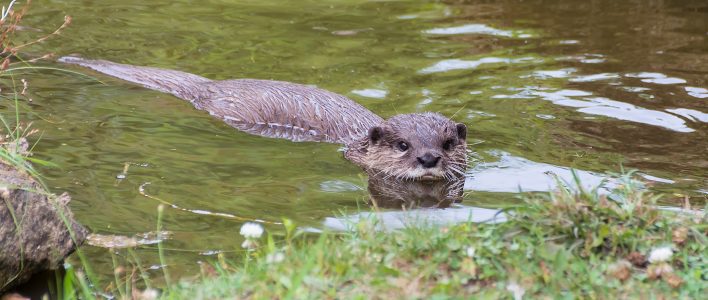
(423, 146)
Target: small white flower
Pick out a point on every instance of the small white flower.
(275, 257)
(251, 230)
(470, 252)
(516, 290)
(249, 244)
(514, 247)
(660, 254)
(149, 294)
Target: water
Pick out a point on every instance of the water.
(543, 87)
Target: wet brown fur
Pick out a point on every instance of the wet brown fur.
(304, 113)
(424, 133)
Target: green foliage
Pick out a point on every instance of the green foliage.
(567, 243)
(14, 150)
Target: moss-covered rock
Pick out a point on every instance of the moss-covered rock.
(34, 227)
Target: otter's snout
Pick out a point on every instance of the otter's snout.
(428, 160)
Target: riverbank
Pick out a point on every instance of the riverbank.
(561, 244)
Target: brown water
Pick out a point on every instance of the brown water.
(543, 86)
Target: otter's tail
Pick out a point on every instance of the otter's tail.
(181, 84)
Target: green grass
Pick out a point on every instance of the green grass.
(14, 149)
(563, 244)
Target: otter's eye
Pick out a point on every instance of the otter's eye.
(403, 146)
(448, 144)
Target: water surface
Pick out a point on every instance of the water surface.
(543, 86)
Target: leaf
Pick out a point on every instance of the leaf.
(271, 243)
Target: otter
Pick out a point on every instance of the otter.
(418, 146)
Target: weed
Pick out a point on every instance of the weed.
(567, 243)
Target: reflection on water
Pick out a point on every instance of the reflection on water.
(543, 87)
(478, 29)
(603, 107)
(459, 64)
(371, 93)
(585, 58)
(391, 220)
(657, 78)
(421, 202)
(562, 73)
(388, 193)
(594, 77)
(690, 114)
(697, 92)
(511, 174)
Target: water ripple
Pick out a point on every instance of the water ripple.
(658, 78)
(339, 186)
(562, 73)
(594, 77)
(585, 58)
(371, 93)
(392, 220)
(690, 114)
(604, 107)
(512, 174)
(460, 64)
(697, 92)
(478, 29)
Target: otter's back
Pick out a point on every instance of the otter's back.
(267, 108)
(286, 110)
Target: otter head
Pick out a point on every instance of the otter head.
(423, 146)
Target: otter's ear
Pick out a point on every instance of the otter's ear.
(375, 134)
(461, 131)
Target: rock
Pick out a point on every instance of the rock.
(33, 234)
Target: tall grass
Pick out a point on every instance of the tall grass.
(15, 151)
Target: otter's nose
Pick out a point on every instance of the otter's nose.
(428, 161)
